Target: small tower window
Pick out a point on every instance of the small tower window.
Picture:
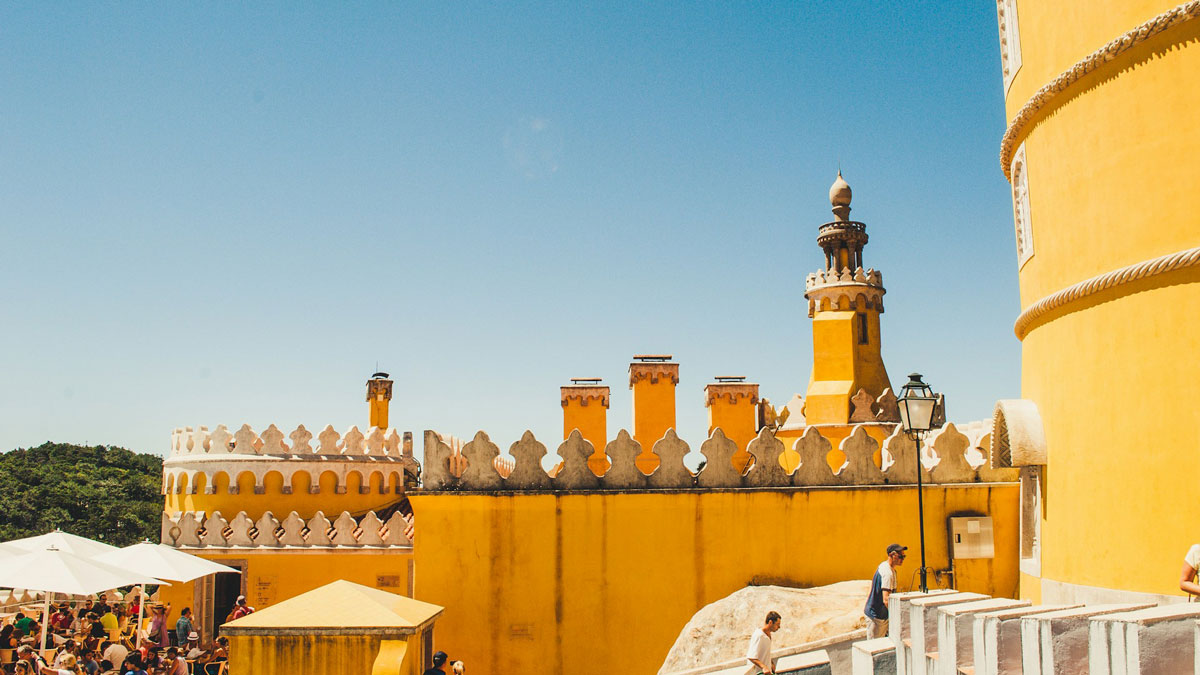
(1021, 218)
(863, 338)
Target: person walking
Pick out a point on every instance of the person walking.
(883, 584)
(758, 654)
(439, 664)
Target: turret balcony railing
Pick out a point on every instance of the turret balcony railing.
(842, 225)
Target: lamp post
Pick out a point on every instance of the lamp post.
(918, 405)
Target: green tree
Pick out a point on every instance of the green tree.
(105, 493)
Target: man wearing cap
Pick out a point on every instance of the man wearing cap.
(240, 609)
(883, 584)
(191, 650)
(439, 660)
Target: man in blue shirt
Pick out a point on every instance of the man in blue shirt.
(883, 584)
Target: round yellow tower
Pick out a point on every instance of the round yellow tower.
(844, 302)
(244, 471)
(1102, 151)
(289, 511)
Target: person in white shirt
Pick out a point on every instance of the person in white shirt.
(114, 653)
(759, 653)
(1187, 578)
(883, 584)
(192, 649)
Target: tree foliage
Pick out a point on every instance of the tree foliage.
(105, 493)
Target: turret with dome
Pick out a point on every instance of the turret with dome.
(845, 302)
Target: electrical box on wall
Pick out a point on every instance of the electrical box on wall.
(971, 537)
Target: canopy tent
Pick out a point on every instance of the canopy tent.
(55, 571)
(62, 541)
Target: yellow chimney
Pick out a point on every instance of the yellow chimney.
(652, 378)
(732, 406)
(585, 407)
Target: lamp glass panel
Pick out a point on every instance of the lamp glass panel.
(920, 413)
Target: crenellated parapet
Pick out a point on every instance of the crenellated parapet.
(847, 289)
(653, 371)
(585, 394)
(950, 457)
(204, 462)
(844, 277)
(731, 392)
(194, 529)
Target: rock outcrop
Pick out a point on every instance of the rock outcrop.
(720, 631)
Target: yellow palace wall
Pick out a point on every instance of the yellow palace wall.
(1112, 164)
(381, 492)
(324, 655)
(604, 582)
(272, 576)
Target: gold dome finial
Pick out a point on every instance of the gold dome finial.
(839, 192)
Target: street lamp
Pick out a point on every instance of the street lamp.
(918, 405)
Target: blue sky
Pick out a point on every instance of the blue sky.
(222, 213)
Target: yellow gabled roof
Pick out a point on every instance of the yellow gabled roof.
(342, 604)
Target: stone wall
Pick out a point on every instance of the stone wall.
(949, 456)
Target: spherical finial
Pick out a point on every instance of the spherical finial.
(839, 192)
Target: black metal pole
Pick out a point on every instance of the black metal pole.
(921, 515)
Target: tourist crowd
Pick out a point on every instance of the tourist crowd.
(98, 638)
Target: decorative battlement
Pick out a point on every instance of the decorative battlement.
(951, 457)
(585, 394)
(376, 443)
(846, 276)
(198, 530)
(731, 391)
(203, 462)
(653, 371)
(859, 289)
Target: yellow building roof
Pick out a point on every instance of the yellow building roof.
(340, 605)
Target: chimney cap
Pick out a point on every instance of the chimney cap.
(586, 380)
(652, 358)
(379, 376)
(725, 379)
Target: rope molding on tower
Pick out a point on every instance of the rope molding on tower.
(1143, 270)
(1128, 40)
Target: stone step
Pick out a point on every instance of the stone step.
(874, 657)
(1056, 643)
(996, 638)
(955, 627)
(1154, 640)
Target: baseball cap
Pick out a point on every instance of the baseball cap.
(896, 548)
(440, 658)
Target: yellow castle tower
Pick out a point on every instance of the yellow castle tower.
(844, 302)
(290, 511)
(379, 395)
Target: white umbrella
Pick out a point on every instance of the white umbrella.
(162, 561)
(63, 541)
(55, 571)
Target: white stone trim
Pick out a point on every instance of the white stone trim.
(1021, 212)
(1121, 44)
(1161, 265)
(1010, 40)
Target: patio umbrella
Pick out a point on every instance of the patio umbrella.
(63, 541)
(163, 562)
(54, 571)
